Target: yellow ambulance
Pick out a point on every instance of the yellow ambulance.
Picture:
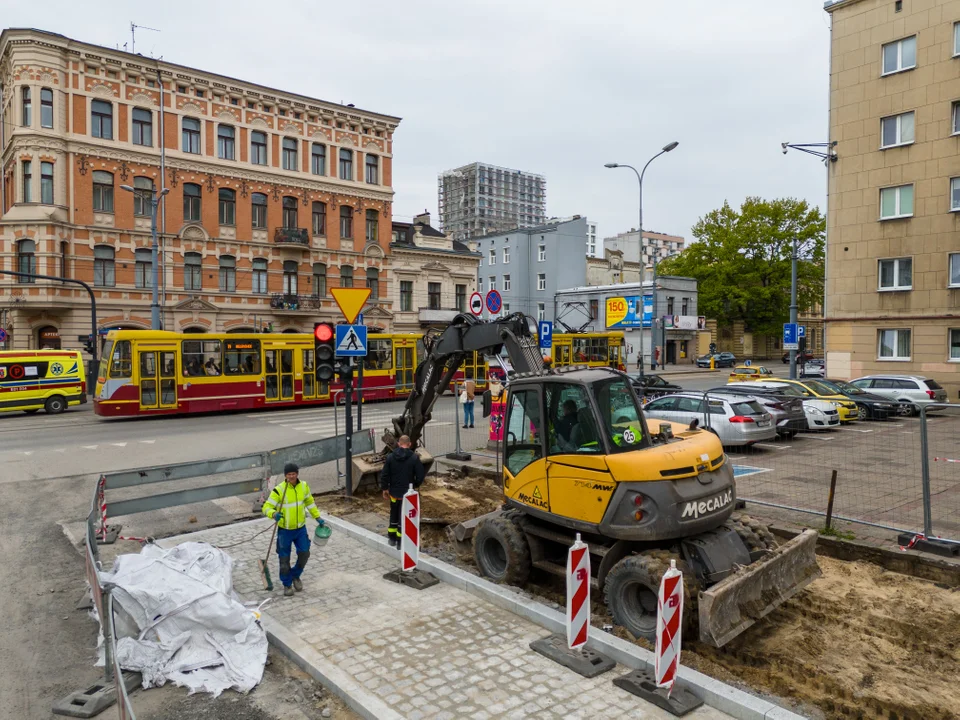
(50, 380)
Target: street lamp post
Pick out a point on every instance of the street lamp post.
(154, 202)
(663, 326)
(666, 148)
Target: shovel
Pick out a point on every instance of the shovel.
(264, 564)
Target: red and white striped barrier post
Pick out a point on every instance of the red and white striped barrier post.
(410, 530)
(669, 614)
(578, 594)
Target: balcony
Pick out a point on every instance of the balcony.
(287, 303)
(428, 316)
(292, 236)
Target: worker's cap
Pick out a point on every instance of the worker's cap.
(291, 467)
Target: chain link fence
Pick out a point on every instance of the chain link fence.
(941, 426)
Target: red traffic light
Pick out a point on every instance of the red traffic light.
(323, 332)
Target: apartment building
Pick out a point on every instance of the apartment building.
(893, 225)
(272, 197)
(654, 244)
(592, 249)
(480, 199)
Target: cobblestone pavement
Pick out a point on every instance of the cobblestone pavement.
(439, 653)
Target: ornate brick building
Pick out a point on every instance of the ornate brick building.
(273, 197)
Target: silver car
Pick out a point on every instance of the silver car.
(736, 419)
(911, 391)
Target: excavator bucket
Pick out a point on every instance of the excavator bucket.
(367, 468)
(737, 602)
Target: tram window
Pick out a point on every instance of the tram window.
(580, 350)
(241, 357)
(121, 365)
(379, 354)
(201, 358)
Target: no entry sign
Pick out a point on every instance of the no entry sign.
(476, 304)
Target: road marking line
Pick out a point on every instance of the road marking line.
(119, 444)
(149, 442)
(861, 431)
(772, 447)
(819, 437)
(89, 447)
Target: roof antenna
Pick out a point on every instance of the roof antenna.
(133, 35)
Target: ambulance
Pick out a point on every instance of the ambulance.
(32, 380)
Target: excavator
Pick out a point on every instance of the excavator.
(580, 457)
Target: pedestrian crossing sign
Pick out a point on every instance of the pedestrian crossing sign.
(351, 341)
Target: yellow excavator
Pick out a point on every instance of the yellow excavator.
(580, 457)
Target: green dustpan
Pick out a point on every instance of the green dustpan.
(322, 534)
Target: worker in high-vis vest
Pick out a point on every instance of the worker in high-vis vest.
(288, 504)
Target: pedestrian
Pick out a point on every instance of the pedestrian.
(401, 470)
(467, 397)
(288, 504)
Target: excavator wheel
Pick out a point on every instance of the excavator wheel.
(755, 535)
(631, 590)
(501, 551)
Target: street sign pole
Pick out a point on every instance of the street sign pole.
(793, 306)
(348, 455)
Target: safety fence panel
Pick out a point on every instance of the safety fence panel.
(124, 706)
(943, 463)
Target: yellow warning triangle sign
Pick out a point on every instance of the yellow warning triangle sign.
(536, 492)
(350, 301)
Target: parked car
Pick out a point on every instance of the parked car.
(814, 368)
(871, 405)
(812, 388)
(653, 386)
(736, 419)
(783, 402)
(724, 359)
(912, 392)
(801, 357)
(750, 372)
(821, 414)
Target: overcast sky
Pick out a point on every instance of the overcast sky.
(557, 87)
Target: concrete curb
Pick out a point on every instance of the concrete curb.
(714, 693)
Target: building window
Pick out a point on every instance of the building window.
(101, 119)
(893, 344)
(506, 308)
(46, 108)
(506, 255)
(541, 311)
(541, 253)
(289, 277)
(433, 295)
(685, 306)
(192, 271)
(190, 135)
(259, 276)
(27, 168)
(103, 266)
(346, 164)
(594, 309)
(319, 219)
(460, 298)
(900, 55)
(541, 281)
(318, 159)
(373, 169)
(346, 221)
(346, 276)
(956, 39)
(143, 267)
(27, 260)
(493, 256)
(64, 256)
(406, 295)
(896, 130)
(102, 191)
(493, 282)
(896, 202)
(258, 148)
(669, 306)
(26, 108)
(954, 270)
(289, 212)
(955, 194)
(142, 127)
(191, 202)
(259, 211)
(506, 283)
(46, 183)
(228, 206)
(954, 342)
(142, 196)
(480, 285)
(373, 282)
(226, 137)
(228, 273)
(372, 227)
(289, 154)
(319, 279)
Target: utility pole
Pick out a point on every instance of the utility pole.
(793, 305)
(154, 203)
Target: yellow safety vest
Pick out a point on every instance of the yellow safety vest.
(293, 502)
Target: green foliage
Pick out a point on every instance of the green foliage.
(838, 534)
(742, 262)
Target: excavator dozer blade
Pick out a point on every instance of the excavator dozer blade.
(367, 468)
(737, 602)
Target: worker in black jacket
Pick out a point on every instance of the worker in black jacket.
(401, 470)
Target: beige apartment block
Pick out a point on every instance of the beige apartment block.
(893, 227)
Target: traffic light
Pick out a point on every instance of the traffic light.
(323, 346)
(89, 345)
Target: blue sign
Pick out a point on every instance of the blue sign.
(3, 335)
(360, 319)
(790, 340)
(494, 302)
(802, 331)
(351, 341)
(545, 332)
(624, 311)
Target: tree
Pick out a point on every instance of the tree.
(742, 262)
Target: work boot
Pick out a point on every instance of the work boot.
(288, 590)
(297, 585)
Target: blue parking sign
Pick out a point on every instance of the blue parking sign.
(790, 339)
(545, 332)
